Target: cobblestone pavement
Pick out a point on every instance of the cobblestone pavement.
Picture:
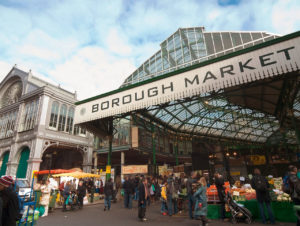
(119, 216)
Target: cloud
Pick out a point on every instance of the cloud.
(92, 71)
(92, 47)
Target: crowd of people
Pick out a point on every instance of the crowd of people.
(175, 194)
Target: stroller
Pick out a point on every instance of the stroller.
(238, 212)
(73, 201)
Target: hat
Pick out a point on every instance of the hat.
(6, 181)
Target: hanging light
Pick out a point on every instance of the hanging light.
(234, 153)
(227, 154)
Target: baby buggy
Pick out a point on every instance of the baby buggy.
(238, 212)
(73, 201)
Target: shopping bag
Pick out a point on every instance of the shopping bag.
(85, 200)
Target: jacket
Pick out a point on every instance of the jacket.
(164, 192)
(108, 188)
(10, 209)
(81, 190)
(200, 197)
(261, 196)
(128, 187)
(66, 191)
(142, 193)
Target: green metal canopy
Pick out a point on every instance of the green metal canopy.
(252, 112)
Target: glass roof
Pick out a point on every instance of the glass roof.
(216, 116)
(208, 114)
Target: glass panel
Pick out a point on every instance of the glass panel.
(62, 118)
(217, 42)
(236, 39)
(226, 40)
(246, 37)
(54, 114)
(70, 120)
(256, 35)
(209, 43)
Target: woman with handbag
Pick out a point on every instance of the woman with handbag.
(200, 209)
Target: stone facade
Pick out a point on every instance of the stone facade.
(30, 119)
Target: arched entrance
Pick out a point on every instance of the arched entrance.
(23, 164)
(3, 163)
(61, 158)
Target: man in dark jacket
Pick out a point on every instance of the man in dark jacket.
(10, 202)
(81, 191)
(128, 187)
(219, 181)
(142, 199)
(189, 189)
(261, 186)
(108, 192)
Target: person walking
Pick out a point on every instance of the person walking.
(66, 193)
(262, 187)
(219, 181)
(10, 204)
(143, 193)
(45, 199)
(190, 196)
(200, 209)
(170, 191)
(108, 192)
(81, 192)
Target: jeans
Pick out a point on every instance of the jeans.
(107, 201)
(175, 206)
(142, 209)
(191, 203)
(80, 200)
(136, 194)
(223, 212)
(262, 212)
(164, 207)
(170, 205)
(127, 200)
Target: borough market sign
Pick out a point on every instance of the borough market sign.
(261, 62)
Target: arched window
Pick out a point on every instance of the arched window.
(22, 167)
(70, 120)
(3, 163)
(54, 114)
(62, 118)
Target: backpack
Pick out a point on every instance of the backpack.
(260, 183)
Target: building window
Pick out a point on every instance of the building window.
(7, 124)
(82, 131)
(70, 120)
(29, 115)
(62, 118)
(54, 114)
(76, 130)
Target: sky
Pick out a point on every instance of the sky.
(92, 46)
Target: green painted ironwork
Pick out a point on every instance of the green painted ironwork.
(23, 164)
(110, 131)
(153, 147)
(4, 163)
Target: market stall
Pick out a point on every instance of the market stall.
(281, 203)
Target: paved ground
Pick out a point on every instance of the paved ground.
(118, 216)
